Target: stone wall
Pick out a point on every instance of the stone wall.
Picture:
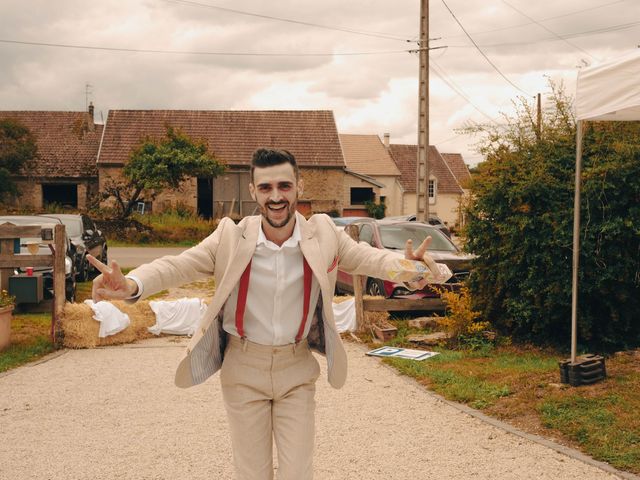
(31, 192)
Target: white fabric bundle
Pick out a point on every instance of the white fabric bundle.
(177, 317)
(111, 319)
(345, 315)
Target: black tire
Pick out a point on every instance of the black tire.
(104, 258)
(83, 273)
(375, 287)
(70, 291)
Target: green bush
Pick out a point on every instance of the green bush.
(520, 223)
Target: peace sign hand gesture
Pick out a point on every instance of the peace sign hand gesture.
(422, 255)
(111, 284)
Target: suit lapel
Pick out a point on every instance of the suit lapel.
(311, 250)
(241, 257)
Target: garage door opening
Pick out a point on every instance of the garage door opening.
(60, 194)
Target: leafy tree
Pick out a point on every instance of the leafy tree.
(375, 210)
(156, 165)
(17, 150)
(520, 223)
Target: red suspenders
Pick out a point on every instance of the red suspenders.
(242, 300)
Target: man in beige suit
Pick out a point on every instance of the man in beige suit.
(275, 275)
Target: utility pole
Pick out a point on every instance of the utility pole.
(422, 187)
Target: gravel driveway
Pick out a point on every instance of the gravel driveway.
(114, 413)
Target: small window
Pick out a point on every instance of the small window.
(361, 195)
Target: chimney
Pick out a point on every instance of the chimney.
(387, 136)
(91, 110)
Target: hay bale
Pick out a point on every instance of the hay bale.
(81, 330)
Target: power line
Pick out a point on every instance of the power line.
(575, 12)
(481, 52)
(442, 74)
(183, 52)
(548, 29)
(597, 31)
(289, 20)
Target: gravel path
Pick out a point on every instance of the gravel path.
(113, 413)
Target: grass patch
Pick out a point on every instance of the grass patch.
(606, 426)
(520, 384)
(29, 340)
(454, 386)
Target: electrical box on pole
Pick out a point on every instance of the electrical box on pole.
(422, 187)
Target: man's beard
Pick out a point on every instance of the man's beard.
(290, 211)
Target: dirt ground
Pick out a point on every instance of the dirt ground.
(114, 413)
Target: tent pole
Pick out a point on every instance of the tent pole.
(576, 243)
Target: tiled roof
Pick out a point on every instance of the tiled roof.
(67, 142)
(232, 136)
(365, 154)
(458, 167)
(406, 157)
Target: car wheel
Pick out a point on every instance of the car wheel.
(375, 287)
(83, 273)
(104, 258)
(70, 291)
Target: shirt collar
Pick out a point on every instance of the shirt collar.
(292, 241)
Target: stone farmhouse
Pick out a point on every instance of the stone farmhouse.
(232, 136)
(447, 174)
(65, 170)
(77, 157)
(372, 175)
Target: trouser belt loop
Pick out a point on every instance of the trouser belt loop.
(245, 343)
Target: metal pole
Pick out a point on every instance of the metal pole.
(422, 187)
(576, 244)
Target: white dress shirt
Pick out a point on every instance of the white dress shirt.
(275, 295)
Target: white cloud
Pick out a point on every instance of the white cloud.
(368, 94)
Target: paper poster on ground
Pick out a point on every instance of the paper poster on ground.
(402, 353)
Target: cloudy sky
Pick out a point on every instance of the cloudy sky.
(347, 56)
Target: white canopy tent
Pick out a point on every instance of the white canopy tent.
(606, 92)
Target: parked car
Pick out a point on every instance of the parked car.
(434, 221)
(47, 272)
(344, 221)
(86, 238)
(393, 235)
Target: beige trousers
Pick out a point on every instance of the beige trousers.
(269, 394)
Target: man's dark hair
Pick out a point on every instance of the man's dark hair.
(266, 157)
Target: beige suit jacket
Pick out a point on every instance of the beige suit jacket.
(226, 253)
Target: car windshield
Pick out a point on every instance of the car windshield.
(396, 236)
(73, 226)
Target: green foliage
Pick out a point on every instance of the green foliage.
(520, 224)
(375, 210)
(17, 149)
(156, 165)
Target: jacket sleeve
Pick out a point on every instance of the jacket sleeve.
(359, 258)
(174, 270)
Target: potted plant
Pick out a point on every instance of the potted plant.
(7, 304)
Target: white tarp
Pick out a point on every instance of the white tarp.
(610, 91)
